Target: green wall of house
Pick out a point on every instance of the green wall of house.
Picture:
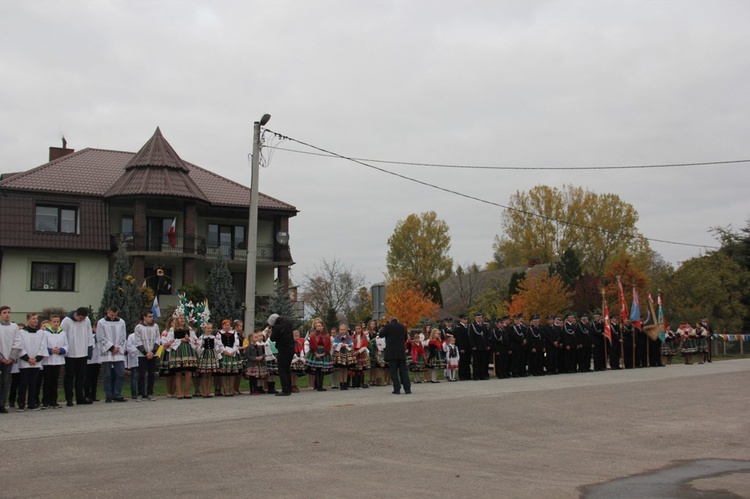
(91, 273)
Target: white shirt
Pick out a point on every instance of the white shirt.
(79, 336)
(56, 340)
(111, 334)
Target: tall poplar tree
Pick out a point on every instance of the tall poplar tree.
(418, 250)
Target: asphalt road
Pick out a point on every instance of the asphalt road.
(556, 436)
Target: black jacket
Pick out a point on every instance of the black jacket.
(282, 335)
(395, 335)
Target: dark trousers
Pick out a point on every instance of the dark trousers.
(600, 359)
(627, 354)
(399, 374)
(284, 358)
(614, 355)
(146, 374)
(569, 359)
(4, 382)
(91, 386)
(464, 365)
(517, 366)
(550, 359)
(584, 359)
(75, 375)
(479, 363)
(29, 376)
(51, 381)
(501, 365)
(536, 363)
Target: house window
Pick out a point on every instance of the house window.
(227, 238)
(52, 276)
(126, 227)
(158, 230)
(56, 219)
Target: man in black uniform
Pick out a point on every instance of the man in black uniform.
(628, 340)
(570, 344)
(535, 347)
(583, 335)
(551, 335)
(614, 348)
(518, 347)
(447, 329)
(282, 335)
(499, 344)
(641, 345)
(597, 343)
(480, 347)
(464, 348)
(395, 335)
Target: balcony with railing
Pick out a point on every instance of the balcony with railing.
(163, 245)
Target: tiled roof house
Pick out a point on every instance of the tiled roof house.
(61, 223)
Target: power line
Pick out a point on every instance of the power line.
(477, 167)
(469, 196)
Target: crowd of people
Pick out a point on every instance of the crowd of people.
(212, 361)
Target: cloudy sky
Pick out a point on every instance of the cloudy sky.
(490, 83)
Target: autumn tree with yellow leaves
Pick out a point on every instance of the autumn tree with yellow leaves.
(540, 293)
(407, 301)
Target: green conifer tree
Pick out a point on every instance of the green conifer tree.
(279, 303)
(122, 291)
(220, 293)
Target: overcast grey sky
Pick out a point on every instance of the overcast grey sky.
(494, 83)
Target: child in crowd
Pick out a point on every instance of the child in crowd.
(131, 363)
(163, 355)
(298, 360)
(209, 352)
(452, 357)
(255, 363)
(229, 364)
(33, 351)
(318, 360)
(435, 355)
(343, 356)
(271, 363)
(418, 358)
(57, 347)
(182, 358)
(93, 367)
(360, 348)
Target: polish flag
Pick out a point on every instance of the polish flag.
(170, 233)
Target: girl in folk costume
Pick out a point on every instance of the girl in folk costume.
(360, 348)
(418, 357)
(435, 355)
(238, 327)
(229, 364)
(425, 335)
(376, 365)
(701, 342)
(452, 357)
(318, 360)
(306, 351)
(163, 362)
(209, 351)
(57, 346)
(255, 362)
(271, 362)
(688, 348)
(343, 355)
(668, 347)
(298, 360)
(182, 358)
(335, 382)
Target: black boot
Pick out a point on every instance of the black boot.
(272, 387)
(344, 385)
(319, 381)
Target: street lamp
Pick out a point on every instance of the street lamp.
(252, 227)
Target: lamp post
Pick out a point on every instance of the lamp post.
(252, 228)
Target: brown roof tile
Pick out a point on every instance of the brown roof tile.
(96, 172)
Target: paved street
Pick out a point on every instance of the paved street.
(555, 436)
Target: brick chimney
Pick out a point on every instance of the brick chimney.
(59, 152)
